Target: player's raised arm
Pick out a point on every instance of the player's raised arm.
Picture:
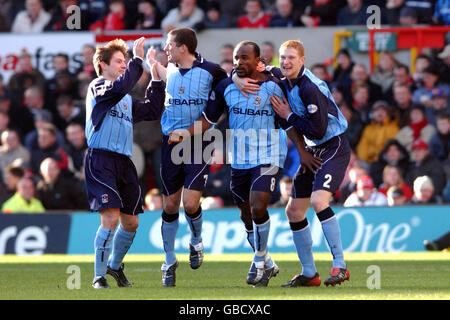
(153, 104)
(160, 69)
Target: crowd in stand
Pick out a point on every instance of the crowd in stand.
(399, 121)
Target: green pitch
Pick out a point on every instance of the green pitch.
(421, 275)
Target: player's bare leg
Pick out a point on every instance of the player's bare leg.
(193, 210)
(320, 201)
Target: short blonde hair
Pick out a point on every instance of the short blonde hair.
(105, 53)
(295, 44)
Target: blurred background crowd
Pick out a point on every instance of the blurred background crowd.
(399, 120)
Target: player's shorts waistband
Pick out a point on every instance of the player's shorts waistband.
(329, 142)
(106, 153)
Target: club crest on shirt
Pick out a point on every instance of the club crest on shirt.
(124, 104)
(257, 101)
(181, 90)
(105, 198)
(312, 108)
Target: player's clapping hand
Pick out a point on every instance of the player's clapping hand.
(138, 47)
(178, 135)
(281, 107)
(151, 54)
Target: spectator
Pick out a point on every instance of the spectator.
(341, 75)
(354, 172)
(442, 12)
(292, 160)
(365, 195)
(218, 183)
(41, 119)
(186, 15)
(23, 200)
(114, 20)
(359, 74)
(440, 142)
(285, 192)
(94, 10)
(408, 17)
(11, 176)
(395, 197)
(354, 13)
(393, 154)
(214, 18)
(355, 125)
(425, 164)
(360, 101)
(31, 20)
(269, 54)
(285, 15)
(25, 116)
(68, 112)
(423, 8)
(321, 72)
(322, 13)
(86, 72)
(57, 192)
(48, 148)
(418, 128)
(24, 77)
(439, 104)
(4, 122)
(153, 200)
(76, 148)
(391, 12)
(424, 192)
(227, 65)
(60, 14)
(383, 74)
(149, 16)
(421, 63)
(376, 133)
(402, 103)
(209, 203)
(393, 177)
(63, 81)
(401, 77)
(226, 52)
(12, 151)
(430, 80)
(255, 16)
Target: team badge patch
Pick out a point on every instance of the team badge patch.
(105, 198)
(181, 90)
(257, 101)
(312, 108)
(124, 104)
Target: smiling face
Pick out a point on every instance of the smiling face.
(245, 60)
(291, 62)
(116, 67)
(172, 50)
